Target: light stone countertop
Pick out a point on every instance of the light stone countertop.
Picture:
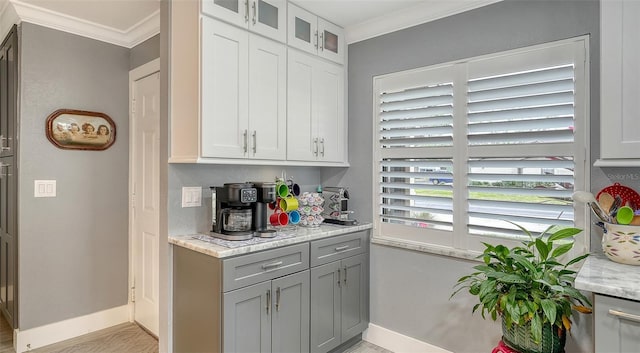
(289, 236)
(603, 276)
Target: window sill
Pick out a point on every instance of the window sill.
(425, 248)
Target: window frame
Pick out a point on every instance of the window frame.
(459, 243)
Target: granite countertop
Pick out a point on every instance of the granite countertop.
(603, 276)
(286, 236)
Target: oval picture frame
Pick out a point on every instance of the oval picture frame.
(72, 129)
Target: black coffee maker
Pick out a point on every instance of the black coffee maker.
(232, 211)
(266, 195)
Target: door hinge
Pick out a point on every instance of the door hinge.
(133, 105)
(133, 294)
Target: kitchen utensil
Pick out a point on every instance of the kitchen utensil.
(282, 189)
(624, 215)
(589, 199)
(627, 194)
(606, 201)
(617, 202)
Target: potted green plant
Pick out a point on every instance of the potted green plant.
(530, 289)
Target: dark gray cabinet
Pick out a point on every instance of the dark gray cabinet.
(8, 177)
(339, 290)
(271, 316)
(616, 325)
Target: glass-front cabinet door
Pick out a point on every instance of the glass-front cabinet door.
(330, 41)
(266, 17)
(232, 11)
(315, 35)
(303, 29)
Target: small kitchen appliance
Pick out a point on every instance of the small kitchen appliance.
(232, 210)
(336, 209)
(266, 195)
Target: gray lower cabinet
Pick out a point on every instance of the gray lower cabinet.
(339, 294)
(311, 296)
(272, 316)
(617, 325)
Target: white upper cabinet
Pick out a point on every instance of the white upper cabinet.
(316, 124)
(265, 17)
(243, 94)
(315, 35)
(619, 83)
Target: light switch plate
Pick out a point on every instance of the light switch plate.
(44, 188)
(191, 196)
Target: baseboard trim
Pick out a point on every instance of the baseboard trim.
(397, 342)
(63, 330)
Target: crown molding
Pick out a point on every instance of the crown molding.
(129, 38)
(409, 17)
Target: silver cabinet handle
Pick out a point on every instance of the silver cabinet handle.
(316, 40)
(254, 12)
(245, 140)
(338, 277)
(246, 11)
(278, 299)
(255, 142)
(268, 300)
(321, 41)
(345, 275)
(315, 151)
(624, 315)
(340, 248)
(271, 265)
(2, 165)
(2, 143)
(322, 144)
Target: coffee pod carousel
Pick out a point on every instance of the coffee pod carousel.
(311, 209)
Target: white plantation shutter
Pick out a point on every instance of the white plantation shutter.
(465, 148)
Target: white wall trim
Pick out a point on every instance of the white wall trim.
(397, 342)
(63, 330)
(409, 17)
(129, 38)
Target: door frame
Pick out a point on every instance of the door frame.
(138, 73)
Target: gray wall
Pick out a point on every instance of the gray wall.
(73, 249)
(145, 52)
(420, 307)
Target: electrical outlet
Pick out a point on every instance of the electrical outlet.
(191, 196)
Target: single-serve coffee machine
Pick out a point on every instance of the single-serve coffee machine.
(266, 195)
(336, 209)
(232, 210)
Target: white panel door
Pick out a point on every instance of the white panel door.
(224, 93)
(329, 111)
(146, 190)
(300, 129)
(268, 99)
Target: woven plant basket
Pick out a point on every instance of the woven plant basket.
(519, 338)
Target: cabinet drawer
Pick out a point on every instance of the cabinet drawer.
(337, 248)
(250, 269)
